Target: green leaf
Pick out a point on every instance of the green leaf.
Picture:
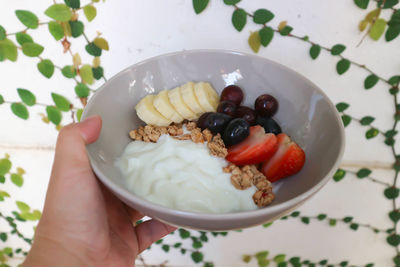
(73, 3)
(339, 175)
(347, 219)
(183, 251)
(377, 29)
(323, 262)
(36, 214)
(362, 3)
(354, 226)
(199, 5)
(389, 3)
(254, 42)
(184, 233)
(3, 237)
(262, 16)
(391, 192)
(266, 225)
(56, 30)
(177, 245)
(3, 33)
(295, 214)
(321, 217)
(332, 222)
(279, 258)
(101, 43)
(59, 12)
(8, 251)
(394, 80)
(286, 30)
(90, 12)
(282, 264)
(294, 260)
(305, 220)
(22, 206)
(342, 66)
(208, 264)
(367, 120)
(246, 258)
(98, 72)
(23, 38)
(239, 19)
(93, 50)
(27, 18)
(346, 119)
(203, 237)
(5, 166)
(390, 133)
(26, 96)
(2, 179)
(263, 263)
(370, 81)
(392, 32)
(314, 51)
(371, 133)
(337, 49)
(20, 110)
(266, 35)
(1, 99)
(197, 256)
(8, 50)
(393, 240)
(197, 244)
(32, 49)
(396, 260)
(46, 67)
(231, 2)
(159, 241)
(262, 255)
(342, 106)
(17, 179)
(77, 28)
(61, 102)
(28, 216)
(68, 71)
(79, 114)
(394, 215)
(364, 172)
(54, 114)
(165, 248)
(86, 74)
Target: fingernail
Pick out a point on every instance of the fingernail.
(90, 118)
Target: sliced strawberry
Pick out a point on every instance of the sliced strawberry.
(256, 148)
(288, 160)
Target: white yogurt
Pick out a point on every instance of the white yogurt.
(183, 175)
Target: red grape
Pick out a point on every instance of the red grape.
(232, 93)
(266, 105)
(247, 114)
(227, 107)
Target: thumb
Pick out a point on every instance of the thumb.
(71, 144)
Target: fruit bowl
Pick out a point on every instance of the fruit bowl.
(305, 113)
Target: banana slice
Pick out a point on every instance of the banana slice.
(163, 105)
(207, 96)
(147, 113)
(176, 100)
(188, 96)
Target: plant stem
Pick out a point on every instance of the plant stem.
(15, 229)
(370, 179)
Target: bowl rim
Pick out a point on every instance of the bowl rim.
(126, 194)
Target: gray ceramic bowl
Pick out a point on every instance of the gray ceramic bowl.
(305, 113)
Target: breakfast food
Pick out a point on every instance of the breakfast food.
(204, 153)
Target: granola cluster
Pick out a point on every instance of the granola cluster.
(248, 175)
(241, 178)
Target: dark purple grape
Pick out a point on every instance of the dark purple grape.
(236, 131)
(232, 93)
(216, 122)
(247, 114)
(227, 107)
(202, 120)
(266, 105)
(269, 125)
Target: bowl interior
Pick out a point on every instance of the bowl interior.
(305, 113)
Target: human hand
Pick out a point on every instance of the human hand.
(83, 224)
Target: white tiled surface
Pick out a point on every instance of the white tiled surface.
(138, 29)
